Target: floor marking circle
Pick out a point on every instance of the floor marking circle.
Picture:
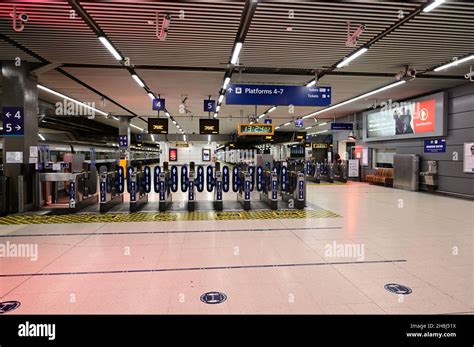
(213, 298)
(8, 306)
(398, 288)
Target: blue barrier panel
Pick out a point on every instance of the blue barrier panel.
(252, 177)
(130, 170)
(225, 179)
(200, 179)
(235, 179)
(210, 179)
(147, 183)
(156, 178)
(259, 178)
(284, 179)
(174, 179)
(184, 178)
(119, 180)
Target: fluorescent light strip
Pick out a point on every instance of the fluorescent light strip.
(208, 138)
(152, 97)
(432, 6)
(215, 115)
(235, 54)
(70, 99)
(41, 137)
(352, 57)
(218, 108)
(167, 114)
(136, 127)
(111, 48)
(287, 123)
(277, 127)
(308, 128)
(221, 97)
(184, 138)
(262, 115)
(454, 63)
(152, 138)
(174, 122)
(311, 83)
(321, 124)
(138, 80)
(354, 99)
(271, 109)
(116, 118)
(226, 82)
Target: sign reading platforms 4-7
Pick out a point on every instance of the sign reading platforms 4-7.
(256, 94)
(13, 121)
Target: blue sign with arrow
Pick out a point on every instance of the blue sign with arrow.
(13, 121)
(256, 94)
(123, 141)
(342, 126)
(159, 104)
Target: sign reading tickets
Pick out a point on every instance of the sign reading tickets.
(255, 129)
(208, 126)
(158, 125)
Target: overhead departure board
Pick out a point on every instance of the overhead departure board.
(157, 125)
(255, 129)
(208, 126)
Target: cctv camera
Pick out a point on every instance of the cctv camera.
(411, 72)
(23, 17)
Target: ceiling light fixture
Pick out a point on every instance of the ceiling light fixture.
(111, 48)
(235, 54)
(433, 5)
(311, 83)
(41, 137)
(152, 97)
(454, 63)
(355, 99)
(136, 127)
(71, 99)
(226, 82)
(347, 60)
(138, 80)
(221, 97)
(271, 109)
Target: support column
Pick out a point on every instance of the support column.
(124, 130)
(19, 89)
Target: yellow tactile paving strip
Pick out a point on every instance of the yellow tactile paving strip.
(165, 217)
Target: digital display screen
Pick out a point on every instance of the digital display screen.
(422, 117)
(157, 126)
(173, 154)
(208, 126)
(255, 129)
(300, 136)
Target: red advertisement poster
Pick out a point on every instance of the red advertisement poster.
(173, 154)
(424, 116)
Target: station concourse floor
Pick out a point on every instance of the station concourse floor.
(263, 265)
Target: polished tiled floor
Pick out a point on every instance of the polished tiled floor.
(418, 240)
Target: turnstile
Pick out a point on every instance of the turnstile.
(293, 189)
(269, 193)
(111, 186)
(245, 189)
(139, 184)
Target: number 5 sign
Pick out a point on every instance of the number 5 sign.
(158, 104)
(209, 105)
(13, 121)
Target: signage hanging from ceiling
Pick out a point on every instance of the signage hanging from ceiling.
(299, 122)
(255, 129)
(255, 94)
(420, 117)
(342, 126)
(158, 104)
(267, 121)
(300, 136)
(210, 105)
(208, 126)
(157, 125)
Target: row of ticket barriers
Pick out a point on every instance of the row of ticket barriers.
(325, 171)
(271, 185)
(288, 186)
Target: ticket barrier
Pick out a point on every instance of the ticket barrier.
(111, 185)
(163, 184)
(139, 184)
(293, 188)
(313, 172)
(80, 188)
(339, 172)
(269, 193)
(244, 189)
(327, 172)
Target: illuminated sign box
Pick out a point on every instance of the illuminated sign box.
(157, 125)
(415, 118)
(300, 136)
(208, 126)
(255, 129)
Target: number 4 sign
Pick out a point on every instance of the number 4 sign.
(13, 121)
(158, 104)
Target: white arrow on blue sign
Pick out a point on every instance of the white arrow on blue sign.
(13, 126)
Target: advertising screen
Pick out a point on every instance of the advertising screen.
(421, 117)
(173, 154)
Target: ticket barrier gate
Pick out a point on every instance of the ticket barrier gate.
(327, 172)
(163, 186)
(293, 188)
(244, 189)
(139, 184)
(111, 188)
(81, 189)
(339, 172)
(269, 192)
(313, 172)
